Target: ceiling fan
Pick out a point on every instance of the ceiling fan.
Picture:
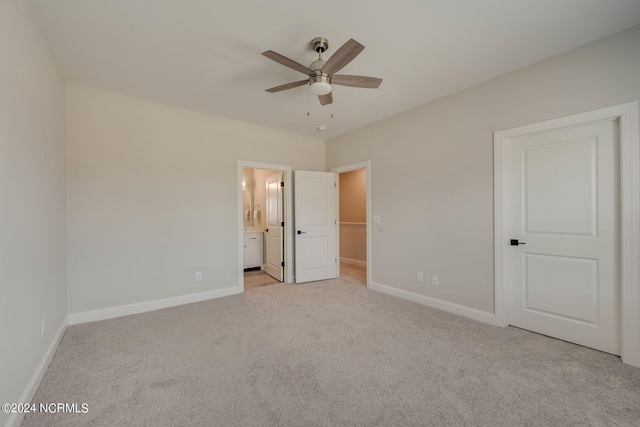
(322, 74)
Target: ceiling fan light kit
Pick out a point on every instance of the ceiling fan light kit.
(321, 73)
(319, 85)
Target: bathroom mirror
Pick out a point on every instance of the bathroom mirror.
(247, 207)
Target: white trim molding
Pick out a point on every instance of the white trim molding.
(461, 310)
(627, 117)
(143, 307)
(366, 165)
(34, 383)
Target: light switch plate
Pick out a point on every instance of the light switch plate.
(376, 219)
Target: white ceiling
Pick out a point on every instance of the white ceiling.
(205, 55)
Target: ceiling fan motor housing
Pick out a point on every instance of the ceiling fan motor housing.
(316, 66)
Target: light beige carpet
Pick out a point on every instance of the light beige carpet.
(328, 354)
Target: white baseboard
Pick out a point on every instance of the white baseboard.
(472, 313)
(353, 261)
(142, 307)
(32, 387)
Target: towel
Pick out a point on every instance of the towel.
(256, 214)
(247, 215)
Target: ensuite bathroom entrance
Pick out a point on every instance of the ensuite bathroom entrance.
(263, 227)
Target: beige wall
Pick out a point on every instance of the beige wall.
(432, 166)
(32, 196)
(353, 196)
(353, 242)
(152, 196)
(256, 181)
(260, 198)
(260, 192)
(247, 178)
(353, 209)
(247, 181)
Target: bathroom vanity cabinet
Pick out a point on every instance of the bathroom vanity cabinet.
(252, 250)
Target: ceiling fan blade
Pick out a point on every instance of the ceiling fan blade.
(326, 99)
(342, 57)
(357, 81)
(288, 62)
(288, 86)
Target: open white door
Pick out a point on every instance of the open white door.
(316, 219)
(275, 253)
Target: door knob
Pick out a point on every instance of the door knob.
(514, 242)
(301, 232)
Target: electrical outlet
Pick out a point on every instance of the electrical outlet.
(434, 280)
(42, 325)
(419, 277)
(198, 276)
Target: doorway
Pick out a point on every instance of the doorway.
(354, 222)
(265, 240)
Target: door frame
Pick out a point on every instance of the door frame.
(287, 213)
(366, 165)
(627, 117)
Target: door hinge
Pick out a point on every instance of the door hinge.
(282, 263)
(282, 224)
(281, 183)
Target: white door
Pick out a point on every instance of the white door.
(275, 252)
(562, 196)
(316, 223)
